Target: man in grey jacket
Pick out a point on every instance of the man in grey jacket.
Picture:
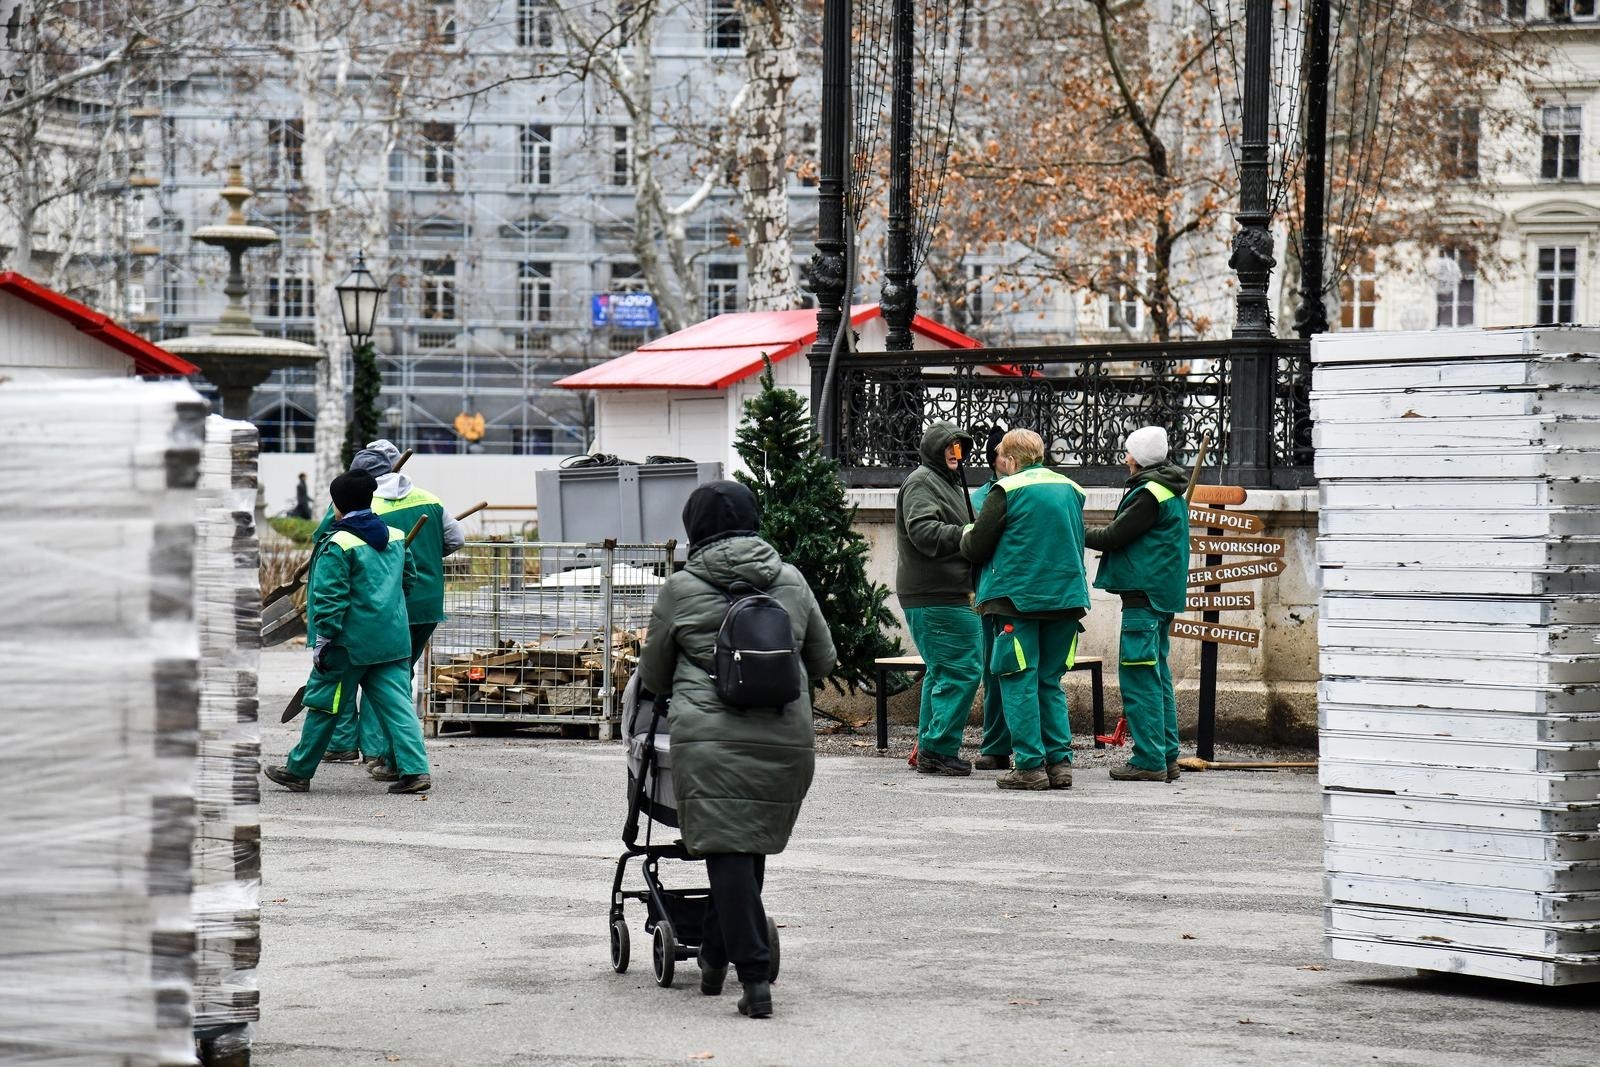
(934, 584)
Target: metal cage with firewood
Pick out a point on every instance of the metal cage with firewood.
(541, 632)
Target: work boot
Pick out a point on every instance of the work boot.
(1173, 773)
(340, 757)
(757, 999)
(383, 772)
(292, 782)
(1032, 778)
(412, 783)
(712, 978)
(992, 763)
(933, 763)
(1060, 775)
(1129, 773)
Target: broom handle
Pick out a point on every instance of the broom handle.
(1200, 461)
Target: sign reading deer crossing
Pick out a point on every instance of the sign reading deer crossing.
(1195, 630)
(1231, 521)
(1221, 601)
(1242, 571)
(1237, 546)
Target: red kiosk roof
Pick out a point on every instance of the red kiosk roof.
(720, 351)
(147, 358)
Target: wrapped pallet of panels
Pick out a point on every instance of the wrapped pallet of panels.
(227, 849)
(99, 708)
(1460, 698)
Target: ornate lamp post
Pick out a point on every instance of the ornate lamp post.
(359, 295)
(827, 269)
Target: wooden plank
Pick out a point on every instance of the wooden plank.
(1195, 630)
(1220, 601)
(1242, 571)
(1231, 521)
(1218, 494)
(1261, 547)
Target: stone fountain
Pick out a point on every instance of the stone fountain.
(235, 356)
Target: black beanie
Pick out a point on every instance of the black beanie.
(352, 491)
(992, 448)
(718, 510)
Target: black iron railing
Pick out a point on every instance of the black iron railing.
(1252, 396)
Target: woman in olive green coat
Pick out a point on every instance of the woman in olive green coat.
(739, 774)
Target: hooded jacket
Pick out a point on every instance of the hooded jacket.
(739, 775)
(400, 503)
(1146, 546)
(360, 574)
(930, 510)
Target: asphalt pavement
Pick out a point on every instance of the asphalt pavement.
(924, 921)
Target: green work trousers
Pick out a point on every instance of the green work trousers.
(385, 688)
(365, 732)
(1148, 701)
(1029, 656)
(947, 639)
(996, 735)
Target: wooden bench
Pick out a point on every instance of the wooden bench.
(915, 665)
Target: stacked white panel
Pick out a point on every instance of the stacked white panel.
(1460, 696)
(98, 706)
(227, 852)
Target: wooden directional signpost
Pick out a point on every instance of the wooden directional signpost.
(1226, 533)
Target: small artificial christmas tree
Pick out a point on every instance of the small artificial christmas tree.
(806, 517)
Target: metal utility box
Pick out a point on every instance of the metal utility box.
(631, 504)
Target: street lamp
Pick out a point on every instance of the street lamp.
(358, 302)
(359, 294)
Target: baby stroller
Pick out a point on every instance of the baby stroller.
(674, 918)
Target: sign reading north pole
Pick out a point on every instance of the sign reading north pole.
(1227, 533)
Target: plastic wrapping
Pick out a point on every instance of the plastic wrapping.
(99, 703)
(227, 848)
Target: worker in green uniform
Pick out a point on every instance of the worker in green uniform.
(1029, 539)
(934, 584)
(1145, 561)
(356, 628)
(994, 753)
(399, 502)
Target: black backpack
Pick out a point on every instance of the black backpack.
(756, 664)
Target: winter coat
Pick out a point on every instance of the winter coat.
(356, 593)
(400, 503)
(1146, 545)
(739, 774)
(929, 512)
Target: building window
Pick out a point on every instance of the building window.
(1570, 10)
(536, 26)
(438, 153)
(288, 297)
(535, 292)
(1460, 143)
(169, 293)
(724, 27)
(537, 159)
(1457, 288)
(627, 278)
(1557, 284)
(974, 294)
(285, 140)
(285, 428)
(1358, 295)
(621, 156)
(620, 341)
(722, 289)
(439, 289)
(1562, 143)
(444, 21)
(1122, 297)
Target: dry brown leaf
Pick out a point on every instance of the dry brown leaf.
(1312, 967)
(703, 1056)
(1023, 1002)
(379, 815)
(1248, 1022)
(1189, 937)
(278, 900)
(422, 796)
(392, 1059)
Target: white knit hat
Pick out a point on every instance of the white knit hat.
(1147, 445)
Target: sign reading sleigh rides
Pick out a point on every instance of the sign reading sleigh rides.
(1227, 533)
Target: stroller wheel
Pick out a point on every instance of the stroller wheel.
(619, 946)
(772, 947)
(664, 953)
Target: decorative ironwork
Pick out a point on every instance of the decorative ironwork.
(1083, 400)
